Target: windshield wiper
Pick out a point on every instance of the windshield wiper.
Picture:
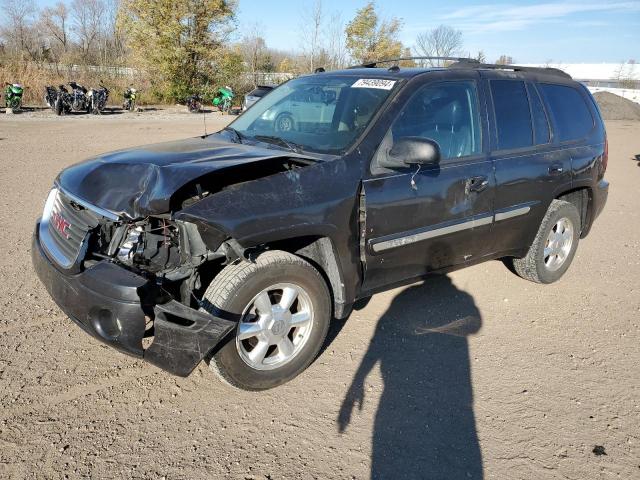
(294, 147)
(235, 132)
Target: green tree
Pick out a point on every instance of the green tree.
(177, 42)
(369, 38)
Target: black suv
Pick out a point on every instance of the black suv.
(240, 247)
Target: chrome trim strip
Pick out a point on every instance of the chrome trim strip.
(100, 211)
(45, 237)
(512, 213)
(437, 232)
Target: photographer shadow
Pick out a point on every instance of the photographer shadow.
(425, 426)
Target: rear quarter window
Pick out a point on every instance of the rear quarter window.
(571, 116)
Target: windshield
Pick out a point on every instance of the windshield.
(320, 113)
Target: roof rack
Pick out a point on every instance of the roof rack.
(465, 62)
(401, 59)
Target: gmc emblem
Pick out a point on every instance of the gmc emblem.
(60, 224)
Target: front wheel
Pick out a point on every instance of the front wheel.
(283, 308)
(554, 246)
(284, 123)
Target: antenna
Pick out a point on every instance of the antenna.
(204, 120)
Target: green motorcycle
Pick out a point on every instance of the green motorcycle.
(13, 96)
(223, 98)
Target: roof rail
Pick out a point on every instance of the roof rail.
(514, 68)
(401, 59)
(465, 62)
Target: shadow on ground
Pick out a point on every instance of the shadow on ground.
(425, 426)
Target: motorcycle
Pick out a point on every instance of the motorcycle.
(130, 95)
(223, 99)
(194, 103)
(13, 96)
(98, 99)
(50, 97)
(76, 100)
(79, 99)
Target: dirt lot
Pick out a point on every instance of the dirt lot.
(474, 375)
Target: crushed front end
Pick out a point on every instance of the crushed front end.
(129, 283)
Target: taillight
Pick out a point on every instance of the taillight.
(605, 155)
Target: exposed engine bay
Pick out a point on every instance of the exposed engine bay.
(171, 251)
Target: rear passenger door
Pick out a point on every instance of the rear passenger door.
(530, 169)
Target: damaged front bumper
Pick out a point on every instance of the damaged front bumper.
(111, 303)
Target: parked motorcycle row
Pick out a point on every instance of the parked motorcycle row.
(73, 97)
(222, 100)
(79, 99)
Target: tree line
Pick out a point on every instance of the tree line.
(178, 47)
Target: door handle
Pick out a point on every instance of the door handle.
(476, 184)
(556, 169)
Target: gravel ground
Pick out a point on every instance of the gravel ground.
(615, 107)
(478, 374)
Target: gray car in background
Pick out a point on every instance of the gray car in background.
(256, 94)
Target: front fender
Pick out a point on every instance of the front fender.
(318, 200)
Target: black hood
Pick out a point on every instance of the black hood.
(140, 181)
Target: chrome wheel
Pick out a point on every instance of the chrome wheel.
(284, 123)
(558, 245)
(275, 326)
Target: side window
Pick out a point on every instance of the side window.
(540, 122)
(446, 113)
(513, 117)
(572, 118)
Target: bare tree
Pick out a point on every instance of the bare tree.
(18, 27)
(54, 23)
(253, 48)
(505, 60)
(87, 16)
(443, 41)
(336, 47)
(311, 25)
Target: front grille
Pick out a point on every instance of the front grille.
(64, 228)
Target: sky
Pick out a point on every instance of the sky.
(567, 31)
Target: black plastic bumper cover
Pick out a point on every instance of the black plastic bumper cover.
(107, 301)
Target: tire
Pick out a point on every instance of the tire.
(542, 264)
(58, 107)
(236, 291)
(284, 123)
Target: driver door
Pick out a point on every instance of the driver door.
(424, 218)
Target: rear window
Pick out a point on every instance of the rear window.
(259, 92)
(571, 115)
(513, 117)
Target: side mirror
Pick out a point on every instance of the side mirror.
(412, 151)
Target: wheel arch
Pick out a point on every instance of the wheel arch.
(320, 252)
(582, 199)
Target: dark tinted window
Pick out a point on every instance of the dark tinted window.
(540, 122)
(572, 118)
(259, 92)
(446, 113)
(513, 117)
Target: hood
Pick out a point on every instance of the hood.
(140, 181)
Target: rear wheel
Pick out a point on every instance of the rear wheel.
(283, 308)
(58, 106)
(554, 246)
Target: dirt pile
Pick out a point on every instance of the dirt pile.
(615, 107)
